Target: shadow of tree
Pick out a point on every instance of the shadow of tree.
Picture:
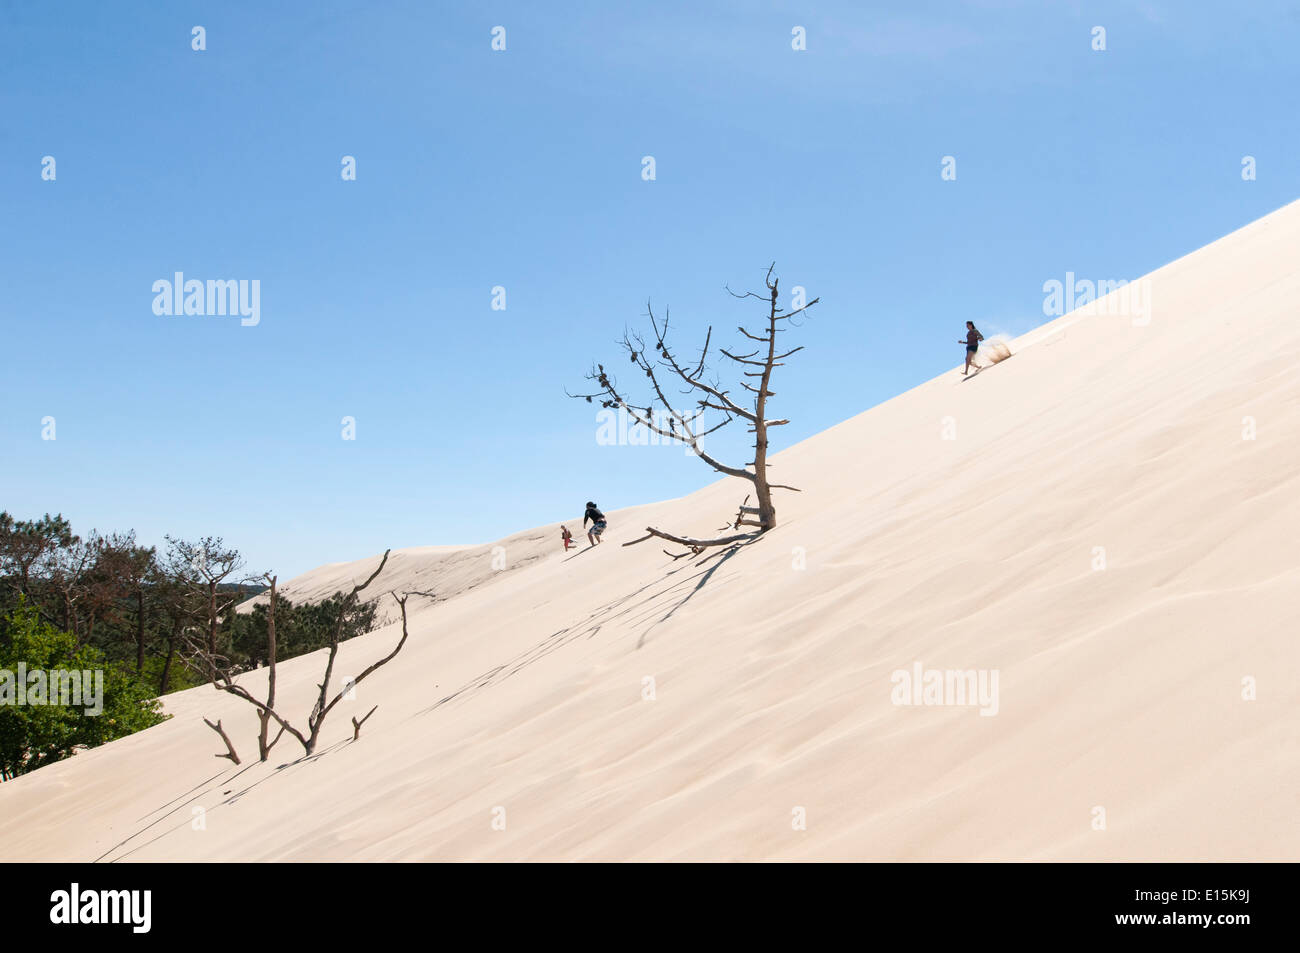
(189, 797)
(648, 607)
(639, 607)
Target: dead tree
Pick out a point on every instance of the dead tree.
(264, 714)
(665, 371)
(224, 679)
(202, 567)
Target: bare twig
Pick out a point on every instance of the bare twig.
(356, 725)
(230, 749)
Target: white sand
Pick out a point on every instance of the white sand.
(1119, 688)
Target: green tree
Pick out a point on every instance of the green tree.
(40, 730)
(300, 628)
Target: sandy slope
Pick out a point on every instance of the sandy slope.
(448, 570)
(1118, 688)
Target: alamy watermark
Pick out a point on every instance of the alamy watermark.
(617, 427)
(69, 688)
(212, 297)
(1120, 297)
(133, 908)
(946, 687)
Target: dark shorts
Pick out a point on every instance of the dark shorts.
(598, 528)
(972, 350)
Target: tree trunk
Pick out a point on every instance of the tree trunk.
(264, 715)
(212, 618)
(766, 511)
(139, 631)
(165, 681)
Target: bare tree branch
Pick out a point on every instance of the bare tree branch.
(699, 543)
(356, 725)
(230, 749)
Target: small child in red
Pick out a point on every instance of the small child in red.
(566, 536)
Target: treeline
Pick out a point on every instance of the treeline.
(161, 621)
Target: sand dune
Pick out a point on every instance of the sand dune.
(450, 570)
(1086, 521)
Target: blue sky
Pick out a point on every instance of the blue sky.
(522, 168)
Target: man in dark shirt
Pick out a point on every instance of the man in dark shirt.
(597, 523)
(973, 338)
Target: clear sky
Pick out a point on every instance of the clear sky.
(522, 168)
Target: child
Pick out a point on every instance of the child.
(566, 536)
